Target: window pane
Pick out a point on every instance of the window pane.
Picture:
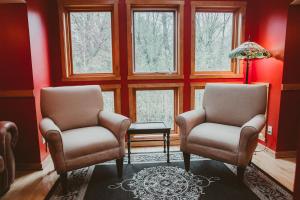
(154, 41)
(91, 42)
(109, 101)
(155, 105)
(213, 41)
(198, 98)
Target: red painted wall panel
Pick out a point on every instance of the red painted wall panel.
(38, 29)
(15, 58)
(22, 112)
(269, 22)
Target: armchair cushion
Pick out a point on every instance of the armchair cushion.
(233, 104)
(217, 136)
(84, 141)
(72, 106)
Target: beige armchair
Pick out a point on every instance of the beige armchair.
(227, 127)
(79, 133)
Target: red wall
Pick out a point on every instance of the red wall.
(16, 74)
(24, 65)
(267, 26)
(38, 29)
(289, 110)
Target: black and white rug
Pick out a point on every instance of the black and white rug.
(149, 177)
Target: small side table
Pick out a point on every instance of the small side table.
(149, 128)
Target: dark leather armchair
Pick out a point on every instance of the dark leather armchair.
(8, 140)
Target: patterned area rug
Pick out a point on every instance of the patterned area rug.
(149, 178)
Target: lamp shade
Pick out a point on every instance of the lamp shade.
(249, 50)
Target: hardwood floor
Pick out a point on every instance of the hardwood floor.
(282, 169)
(34, 185)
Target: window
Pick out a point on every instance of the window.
(218, 28)
(109, 101)
(199, 98)
(111, 98)
(155, 105)
(214, 31)
(89, 40)
(156, 102)
(155, 39)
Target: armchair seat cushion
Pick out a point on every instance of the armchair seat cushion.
(84, 141)
(1, 164)
(217, 136)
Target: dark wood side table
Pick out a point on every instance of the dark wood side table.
(149, 128)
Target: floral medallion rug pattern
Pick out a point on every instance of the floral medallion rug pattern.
(164, 182)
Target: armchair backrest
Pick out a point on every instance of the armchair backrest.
(72, 106)
(233, 104)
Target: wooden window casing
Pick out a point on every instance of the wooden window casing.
(178, 97)
(176, 6)
(65, 7)
(116, 89)
(238, 8)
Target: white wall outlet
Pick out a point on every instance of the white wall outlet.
(270, 130)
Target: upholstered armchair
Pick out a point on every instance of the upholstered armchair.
(79, 133)
(8, 140)
(228, 125)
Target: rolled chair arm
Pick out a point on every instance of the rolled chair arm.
(52, 135)
(7, 127)
(118, 124)
(248, 139)
(188, 120)
(50, 131)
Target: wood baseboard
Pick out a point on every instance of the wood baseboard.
(286, 154)
(278, 154)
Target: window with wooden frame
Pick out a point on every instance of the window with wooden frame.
(217, 28)
(155, 39)
(89, 39)
(111, 98)
(156, 102)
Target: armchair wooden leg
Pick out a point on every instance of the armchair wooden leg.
(64, 182)
(240, 173)
(186, 158)
(119, 163)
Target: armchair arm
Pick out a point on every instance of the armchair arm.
(116, 123)
(7, 127)
(52, 135)
(248, 138)
(188, 120)
(50, 131)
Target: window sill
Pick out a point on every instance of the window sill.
(154, 76)
(91, 77)
(216, 75)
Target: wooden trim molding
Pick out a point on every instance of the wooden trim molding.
(290, 87)
(238, 8)
(172, 5)
(16, 93)
(67, 6)
(12, 1)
